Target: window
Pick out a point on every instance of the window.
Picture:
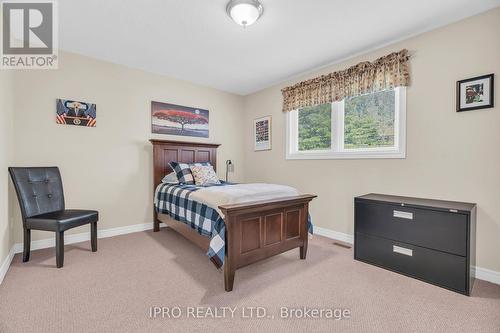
(366, 126)
(315, 128)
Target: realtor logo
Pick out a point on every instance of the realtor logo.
(29, 35)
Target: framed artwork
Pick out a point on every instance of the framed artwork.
(76, 113)
(179, 120)
(262, 133)
(475, 93)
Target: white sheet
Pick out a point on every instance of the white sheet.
(234, 194)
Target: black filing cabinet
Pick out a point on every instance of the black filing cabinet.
(431, 240)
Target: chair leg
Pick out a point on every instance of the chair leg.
(27, 244)
(60, 249)
(93, 236)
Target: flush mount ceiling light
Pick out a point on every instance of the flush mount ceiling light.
(244, 12)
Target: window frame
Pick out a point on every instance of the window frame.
(337, 150)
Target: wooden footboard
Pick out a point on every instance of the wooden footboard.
(259, 230)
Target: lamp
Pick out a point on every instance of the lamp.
(244, 12)
(229, 165)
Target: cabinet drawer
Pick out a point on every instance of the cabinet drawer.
(444, 231)
(443, 269)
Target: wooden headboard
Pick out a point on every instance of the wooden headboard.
(165, 151)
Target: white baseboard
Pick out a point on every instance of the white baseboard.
(481, 273)
(6, 264)
(340, 236)
(71, 239)
(487, 275)
(85, 236)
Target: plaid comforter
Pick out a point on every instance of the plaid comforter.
(174, 201)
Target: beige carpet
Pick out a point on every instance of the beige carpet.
(112, 291)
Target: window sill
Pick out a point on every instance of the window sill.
(346, 155)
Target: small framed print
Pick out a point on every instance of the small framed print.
(262, 133)
(76, 113)
(475, 93)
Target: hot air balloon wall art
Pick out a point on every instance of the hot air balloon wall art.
(179, 120)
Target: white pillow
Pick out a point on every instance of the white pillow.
(171, 178)
(204, 175)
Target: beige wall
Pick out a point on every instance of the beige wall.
(109, 168)
(6, 154)
(450, 155)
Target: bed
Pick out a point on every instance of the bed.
(252, 231)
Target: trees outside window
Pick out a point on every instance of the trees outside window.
(365, 126)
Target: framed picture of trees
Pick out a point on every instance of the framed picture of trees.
(179, 120)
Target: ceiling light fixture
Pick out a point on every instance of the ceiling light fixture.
(244, 12)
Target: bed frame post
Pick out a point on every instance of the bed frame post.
(156, 222)
(228, 277)
(229, 267)
(303, 251)
(305, 236)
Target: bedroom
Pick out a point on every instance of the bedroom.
(230, 78)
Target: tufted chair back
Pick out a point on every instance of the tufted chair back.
(39, 190)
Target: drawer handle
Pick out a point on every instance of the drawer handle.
(402, 250)
(402, 215)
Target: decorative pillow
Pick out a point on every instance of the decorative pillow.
(204, 175)
(183, 171)
(171, 178)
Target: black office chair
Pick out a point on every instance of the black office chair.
(41, 197)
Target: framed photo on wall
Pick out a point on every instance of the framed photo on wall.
(475, 93)
(76, 113)
(262, 133)
(175, 119)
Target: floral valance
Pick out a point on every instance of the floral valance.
(384, 73)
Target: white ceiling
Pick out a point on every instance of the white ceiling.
(196, 41)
